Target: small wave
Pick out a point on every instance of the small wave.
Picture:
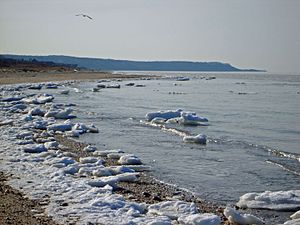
(168, 129)
(276, 152)
(284, 154)
(283, 167)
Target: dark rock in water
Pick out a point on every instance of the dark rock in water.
(210, 78)
(129, 84)
(101, 85)
(64, 204)
(96, 89)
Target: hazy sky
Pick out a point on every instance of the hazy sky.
(263, 34)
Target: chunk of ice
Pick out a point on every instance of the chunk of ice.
(243, 219)
(278, 200)
(129, 160)
(163, 114)
(59, 127)
(88, 160)
(199, 139)
(35, 148)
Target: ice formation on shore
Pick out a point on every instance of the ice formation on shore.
(243, 219)
(80, 191)
(173, 209)
(278, 200)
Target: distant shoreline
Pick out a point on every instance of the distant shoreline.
(102, 64)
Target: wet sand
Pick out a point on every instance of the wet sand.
(15, 208)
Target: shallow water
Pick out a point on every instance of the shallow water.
(253, 132)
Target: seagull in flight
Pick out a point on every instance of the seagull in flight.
(84, 15)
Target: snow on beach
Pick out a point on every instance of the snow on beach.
(81, 189)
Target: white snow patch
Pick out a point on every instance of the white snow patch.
(172, 209)
(200, 219)
(106, 152)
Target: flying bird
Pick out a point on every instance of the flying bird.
(84, 15)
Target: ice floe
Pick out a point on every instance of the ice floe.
(176, 117)
(278, 200)
(163, 114)
(187, 118)
(199, 139)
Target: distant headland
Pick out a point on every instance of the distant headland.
(100, 64)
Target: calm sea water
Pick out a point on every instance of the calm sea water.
(253, 132)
